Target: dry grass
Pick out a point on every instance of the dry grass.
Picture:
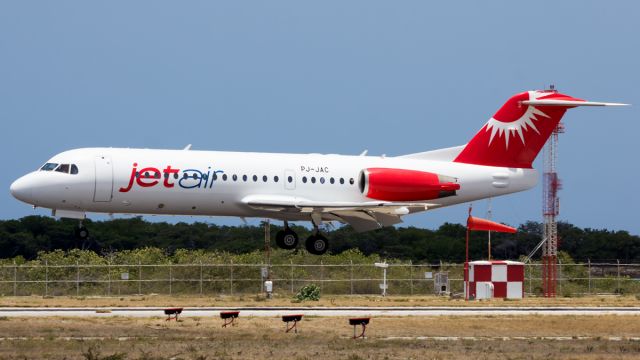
(259, 300)
(203, 338)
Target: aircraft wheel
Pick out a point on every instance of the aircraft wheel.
(82, 232)
(287, 239)
(317, 244)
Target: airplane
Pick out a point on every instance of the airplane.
(366, 192)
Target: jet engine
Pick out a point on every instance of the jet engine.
(405, 185)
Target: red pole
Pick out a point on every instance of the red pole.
(466, 260)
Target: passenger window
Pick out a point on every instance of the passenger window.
(264, 178)
(304, 179)
(215, 176)
(48, 166)
(74, 169)
(313, 179)
(321, 180)
(289, 179)
(235, 177)
(255, 178)
(63, 168)
(332, 180)
(224, 177)
(341, 181)
(351, 181)
(275, 178)
(244, 177)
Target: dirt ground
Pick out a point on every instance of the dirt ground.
(259, 300)
(482, 337)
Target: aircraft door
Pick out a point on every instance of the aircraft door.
(104, 179)
(289, 179)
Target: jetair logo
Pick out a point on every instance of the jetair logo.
(170, 177)
(514, 119)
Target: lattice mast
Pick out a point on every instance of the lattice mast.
(550, 210)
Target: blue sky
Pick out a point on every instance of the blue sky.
(393, 77)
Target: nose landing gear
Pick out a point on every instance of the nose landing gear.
(81, 232)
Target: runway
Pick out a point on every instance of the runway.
(316, 311)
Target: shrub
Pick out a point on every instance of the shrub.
(309, 292)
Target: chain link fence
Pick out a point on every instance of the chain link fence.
(338, 279)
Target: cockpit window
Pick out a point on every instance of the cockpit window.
(48, 166)
(63, 168)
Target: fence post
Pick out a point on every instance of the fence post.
(139, 277)
(291, 262)
(109, 277)
(559, 276)
(170, 280)
(15, 279)
(77, 278)
(46, 278)
(200, 277)
(619, 290)
(351, 276)
(530, 266)
(411, 275)
(589, 274)
(321, 274)
(231, 279)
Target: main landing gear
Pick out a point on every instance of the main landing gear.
(316, 244)
(287, 239)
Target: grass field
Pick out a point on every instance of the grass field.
(488, 337)
(468, 337)
(259, 300)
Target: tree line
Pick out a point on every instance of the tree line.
(29, 235)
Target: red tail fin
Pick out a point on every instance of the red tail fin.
(514, 136)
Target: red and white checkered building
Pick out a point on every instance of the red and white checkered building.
(496, 279)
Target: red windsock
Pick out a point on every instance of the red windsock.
(474, 223)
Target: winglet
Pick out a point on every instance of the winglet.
(188, 147)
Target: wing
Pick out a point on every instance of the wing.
(362, 216)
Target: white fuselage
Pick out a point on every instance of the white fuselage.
(106, 181)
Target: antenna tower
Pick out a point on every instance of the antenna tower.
(550, 209)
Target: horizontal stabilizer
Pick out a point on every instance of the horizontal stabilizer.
(553, 102)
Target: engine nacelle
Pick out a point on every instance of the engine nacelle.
(405, 185)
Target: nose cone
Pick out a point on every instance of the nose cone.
(22, 190)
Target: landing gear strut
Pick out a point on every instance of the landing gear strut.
(287, 239)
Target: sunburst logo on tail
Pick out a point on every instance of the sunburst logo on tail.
(514, 119)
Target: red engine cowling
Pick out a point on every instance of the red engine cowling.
(405, 185)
